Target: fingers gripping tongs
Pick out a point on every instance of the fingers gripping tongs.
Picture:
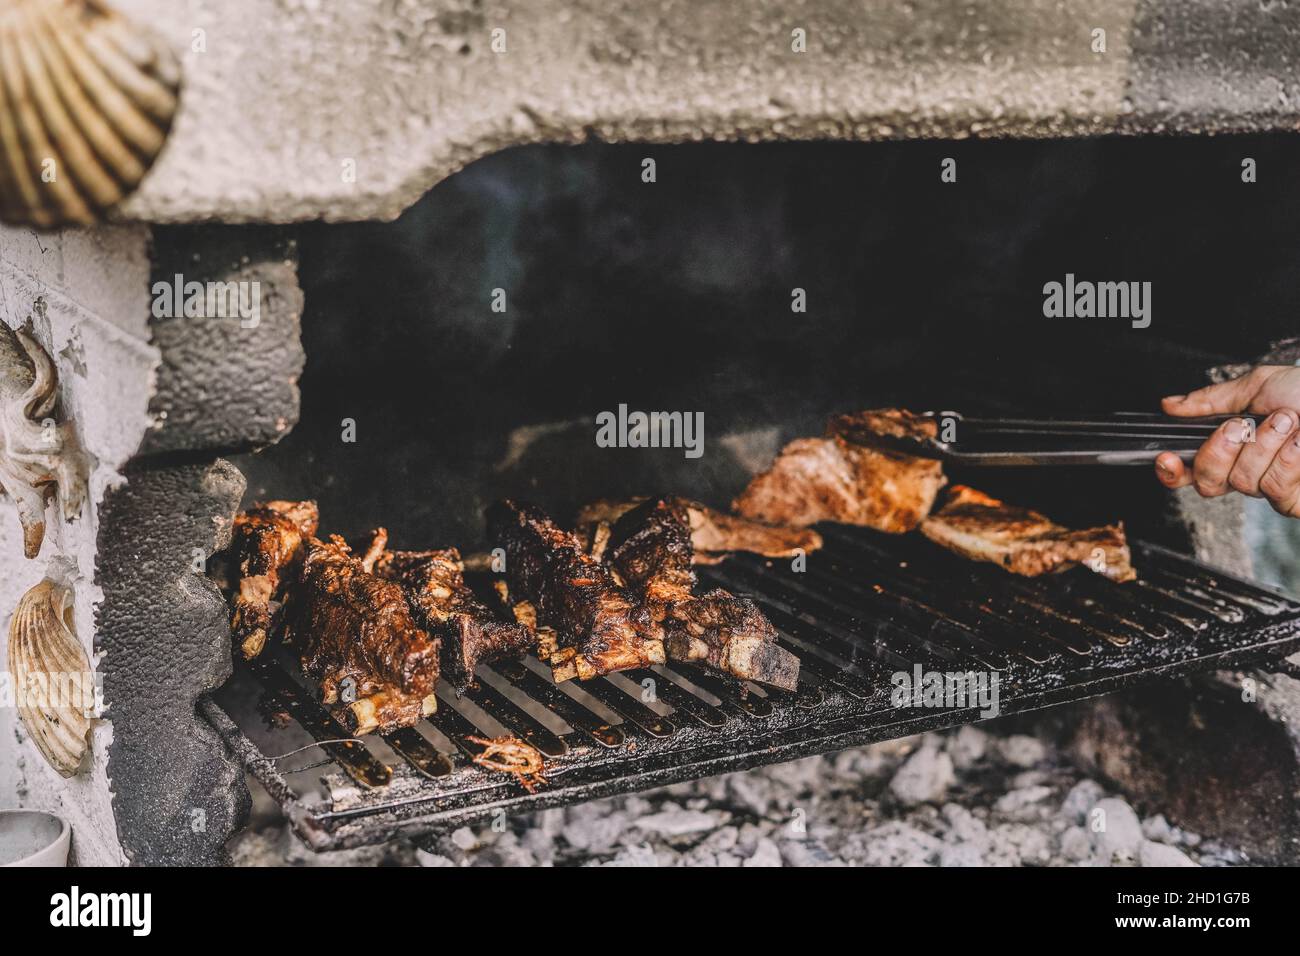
(1104, 438)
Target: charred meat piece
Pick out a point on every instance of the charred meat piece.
(442, 604)
(870, 426)
(1025, 542)
(834, 479)
(732, 635)
(266, 550)
(598, 627)
(358, 639)
(714, 534)
(650, 551)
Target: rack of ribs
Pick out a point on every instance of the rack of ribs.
(650, 551)
(266, 547)
(714, 534)
(555, 584)
(442, 604)
(359, 640)
(1025, 542)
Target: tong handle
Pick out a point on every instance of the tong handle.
(1118, 438)
(1117, 424)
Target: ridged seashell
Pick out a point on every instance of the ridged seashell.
(86, 101)
(51, 676)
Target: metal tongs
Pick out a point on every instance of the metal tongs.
(1094, 438)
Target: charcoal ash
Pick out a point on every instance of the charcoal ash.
(961, 798)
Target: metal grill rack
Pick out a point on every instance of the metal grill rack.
(866, 607)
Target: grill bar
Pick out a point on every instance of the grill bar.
(867, 607)
(411, 746)
(628, 707)
(515, 719)
(353, 757)
(685, 703)
(454, 726)
(561, 704)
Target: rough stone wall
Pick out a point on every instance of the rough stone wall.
(227, 382)
(86, 294)
(283, 97)
(167, 395)
(165, 629)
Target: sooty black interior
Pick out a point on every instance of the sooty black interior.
(676, 295)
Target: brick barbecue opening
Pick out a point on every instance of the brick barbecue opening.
(672, 295)
(455, 404)
(436, 242)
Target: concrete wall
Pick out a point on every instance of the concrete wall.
(87, 294)
(283, 97)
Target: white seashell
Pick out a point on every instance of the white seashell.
(86, 101)
(51, 676)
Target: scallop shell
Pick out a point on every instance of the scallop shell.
(86, 101)
(42, 649)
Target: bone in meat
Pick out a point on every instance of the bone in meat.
(266, 548)
(650, 550)
(358, 639)
(442, 604)
(598, 627)
(1025, 542)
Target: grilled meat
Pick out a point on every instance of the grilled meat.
(714, 534)
(650, 551)
(443, 605)
(834, 479)
(732, 635)
(267, 551)
(1025, 542)
(358, 639)
(868, 427)
(599, 628)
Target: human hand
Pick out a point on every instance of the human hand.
(1262, 462)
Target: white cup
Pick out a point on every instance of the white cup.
(33, 838)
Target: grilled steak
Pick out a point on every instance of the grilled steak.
(443, 605)
(834, 479)
(714, 534)
(266, 549)
(650, 551)
(358, 639)
(599, 628)
(868, 427)
(1025, 542)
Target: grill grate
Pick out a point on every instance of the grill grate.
(867, 606)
